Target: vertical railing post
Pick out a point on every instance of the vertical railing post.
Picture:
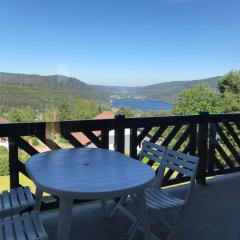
(105, 138)
(193, 139)
(119, 136)
(133, 142)
(203, 147)
(13, 162)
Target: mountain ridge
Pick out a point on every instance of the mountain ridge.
(166, 91)
(58, 82)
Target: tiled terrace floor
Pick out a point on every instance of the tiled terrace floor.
(214, 214)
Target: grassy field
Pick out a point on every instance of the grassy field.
(5, 182)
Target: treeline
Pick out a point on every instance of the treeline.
(35, 96)
(81, 109)
(54, 82)
(226, 98)
(27, 102)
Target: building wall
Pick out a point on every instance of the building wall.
(127, 141)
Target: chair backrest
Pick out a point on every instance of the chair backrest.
(171, 159)
(154, 152)
(181, 163)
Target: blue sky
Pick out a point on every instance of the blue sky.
(127, 42)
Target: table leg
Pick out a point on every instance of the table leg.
(143, 215)
(38, 197)
(65, 217)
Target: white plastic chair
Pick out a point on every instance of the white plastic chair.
(22, 227)
(150, 152)
(161, 199)
(15, 200)
(14, 226)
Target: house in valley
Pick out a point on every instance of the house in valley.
(84, 140)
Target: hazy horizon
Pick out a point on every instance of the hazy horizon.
(109, 84)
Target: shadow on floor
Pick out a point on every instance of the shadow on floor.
(214, 214)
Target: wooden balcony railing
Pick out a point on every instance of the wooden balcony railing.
(215, 138)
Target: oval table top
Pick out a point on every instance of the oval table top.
(88, 173)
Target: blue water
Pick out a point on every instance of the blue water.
(140, 104)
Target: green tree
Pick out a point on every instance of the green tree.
(230, 82)
(128, 112)
(198, 98)
(24, 114)
(229, 87)
(230, 102)
(64, 112)
(86, 109)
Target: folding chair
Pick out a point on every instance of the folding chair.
(150, 152)
(161, 199)
(15, 200)
(22, 227)
(14, 226)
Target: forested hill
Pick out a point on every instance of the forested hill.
(56, 82)
(166, 91)
(21, 83)
(35, 96)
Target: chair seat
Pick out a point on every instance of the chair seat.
(22, 227)
(160, 199)
(15, 200)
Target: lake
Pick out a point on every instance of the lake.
(141, 104)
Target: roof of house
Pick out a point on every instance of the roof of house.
(85, 140)
(105, 115)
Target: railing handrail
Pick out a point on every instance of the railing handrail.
(30, 128)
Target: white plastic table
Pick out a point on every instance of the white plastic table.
(89, 173)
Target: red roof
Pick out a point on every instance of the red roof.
(83, 139)
(105, 115)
